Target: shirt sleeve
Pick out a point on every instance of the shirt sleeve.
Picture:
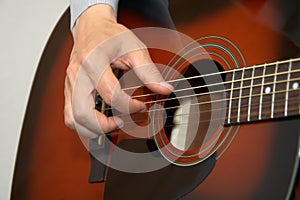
(79, 6)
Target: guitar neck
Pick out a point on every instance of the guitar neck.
(263, 92)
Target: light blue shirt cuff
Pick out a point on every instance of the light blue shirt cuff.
(79, 6)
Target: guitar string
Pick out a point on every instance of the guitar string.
(228, 82)
(219, 91)
(224, 83)
(223, 109)
(215, 119)
(235, 98)
(225, 72)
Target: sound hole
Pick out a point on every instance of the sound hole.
(189, 109)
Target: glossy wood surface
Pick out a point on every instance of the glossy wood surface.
(53, 164)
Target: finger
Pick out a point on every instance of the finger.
(108, 125)
(119, 64)
(83, 106)
(68, 114)
(147, 72)
(83, 131)
(125, 51)
(112, 94)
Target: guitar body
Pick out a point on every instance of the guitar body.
(260, 162)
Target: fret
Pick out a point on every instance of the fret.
(268, 91)
(234, 78)
(294, 90)
(287, 89)
(235, 94)
(250, 94)
(245, 94)
(256, 93)
(240, 96)
(261, 92)
(274, 89)
(279, 99)
(230, 99)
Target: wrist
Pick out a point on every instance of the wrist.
(99, 12)
(94, 15)
(78, 7)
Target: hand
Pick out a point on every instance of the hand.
(100, 44)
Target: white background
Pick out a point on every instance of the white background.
(25, 27)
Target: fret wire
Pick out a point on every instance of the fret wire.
(250, 94)
(230, 100)
(261, 92)
(287, 87)
(274, 89)
(240, 99)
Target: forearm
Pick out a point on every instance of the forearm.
(79, 6)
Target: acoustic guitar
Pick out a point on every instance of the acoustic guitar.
(252, 98)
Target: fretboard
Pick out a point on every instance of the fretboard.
(263, 92)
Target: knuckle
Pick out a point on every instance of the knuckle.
(80, 116)
(81, 58)
(68, 120)
(69, 123)
(69, 71)
(72, 68)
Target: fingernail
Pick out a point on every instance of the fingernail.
(167, 85)
(119, 122)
